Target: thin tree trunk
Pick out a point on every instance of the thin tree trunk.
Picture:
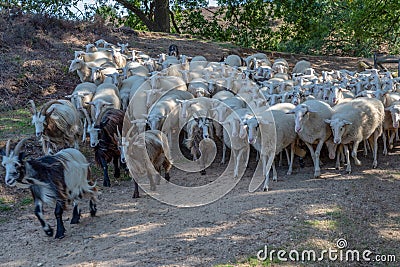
(161, 15)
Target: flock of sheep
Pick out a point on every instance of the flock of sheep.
(134, 106)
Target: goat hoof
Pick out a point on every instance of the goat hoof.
(106, 183)
(265, 189)
(167, 177)
(49, 232)
(59, 236)
(302, 163)
(203, 172)
(75, 220)
(117, 174)
(135, 195)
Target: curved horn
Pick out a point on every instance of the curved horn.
(46, 106)
(8, 148)
(19, 145)
(87, 116)
(33, 109)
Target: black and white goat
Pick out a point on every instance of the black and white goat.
(198, 129)
(53, 179)
(173, 50)
(103, 140)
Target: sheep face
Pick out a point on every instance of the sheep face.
(395, 113)
(301, 115)
(252, 128)
(155, 121)
(338, 127)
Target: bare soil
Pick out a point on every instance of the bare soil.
(299, 212)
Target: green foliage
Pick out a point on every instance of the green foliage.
(346, 27)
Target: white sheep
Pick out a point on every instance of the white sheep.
(355, 121)
(233, 61)
(274, 133)
(106, 96)
(311, 128)
(235, 137)
(301, 66)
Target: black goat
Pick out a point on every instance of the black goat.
(102, 139)
(59, 179)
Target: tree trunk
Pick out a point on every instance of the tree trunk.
(161, 15)
(160, 22)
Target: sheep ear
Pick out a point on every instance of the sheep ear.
(347, 122)
(388, 108)
(68, 96)
(327, 121)
(291, 112)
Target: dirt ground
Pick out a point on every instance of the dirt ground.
(298, 213)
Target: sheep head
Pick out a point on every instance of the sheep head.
(338, 127)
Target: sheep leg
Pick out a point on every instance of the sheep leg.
(84, 130)
(265, 174)
(39, 214)
(347, 153)
(280, 159)
(117, 171)
(223, 154)
(366, 148)
(60, 233)
(136, 192)
(391, 140)
(310, 147)
(265, 171)
(385, 151)
(152, 183)
(290, 169)
(106, 181)
(317, 172)
(354, 153)
(76, 214)
(375, 140)
(315, 157)
(397, 135)
(237, 156)
(274, 173)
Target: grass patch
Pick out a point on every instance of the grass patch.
(15, 122)
(322, 224)
(26, 201)
(5, 205)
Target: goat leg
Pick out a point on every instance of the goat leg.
(117, 172)
(76, 214)
(60, 225)
(106, 181)
(93, 208)
(136, 192)
(39, 214)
